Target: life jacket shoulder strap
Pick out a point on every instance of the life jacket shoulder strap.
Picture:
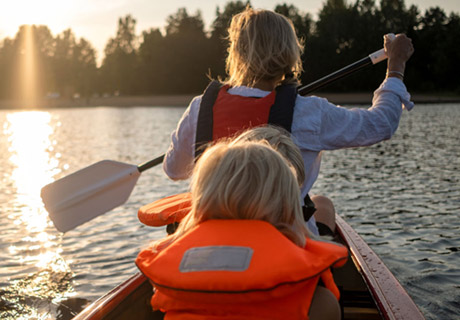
(281, 113)
(205, 117)
(308, 208)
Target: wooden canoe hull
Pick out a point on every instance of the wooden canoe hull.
(368, 289)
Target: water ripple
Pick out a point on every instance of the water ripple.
(401, 195)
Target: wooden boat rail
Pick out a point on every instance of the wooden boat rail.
(390, 297)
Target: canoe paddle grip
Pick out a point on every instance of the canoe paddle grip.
(380, 55)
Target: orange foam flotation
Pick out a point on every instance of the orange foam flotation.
(166, 210)
(214, 272)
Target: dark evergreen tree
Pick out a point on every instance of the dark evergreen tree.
(187, 54)
(118, 70)
(152, 71)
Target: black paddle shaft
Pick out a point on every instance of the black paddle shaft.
(345, 71)
(151, 163)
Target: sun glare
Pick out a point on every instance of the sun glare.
(27, 81)
(29, 143)
(52, 13)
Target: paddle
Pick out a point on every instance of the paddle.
(94, 190)
(373, 58)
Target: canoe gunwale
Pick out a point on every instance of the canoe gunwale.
(108, 302)
(391, 298)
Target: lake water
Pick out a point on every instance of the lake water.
(402, 196)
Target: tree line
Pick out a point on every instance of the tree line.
(182, 58)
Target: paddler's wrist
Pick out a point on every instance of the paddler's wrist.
(395, 74)
(396, 69)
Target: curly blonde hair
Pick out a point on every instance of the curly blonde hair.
(263, 46)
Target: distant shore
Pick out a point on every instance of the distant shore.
(184, 100)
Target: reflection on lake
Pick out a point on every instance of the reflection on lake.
(28, 137)
(401, 195)
(31, 243)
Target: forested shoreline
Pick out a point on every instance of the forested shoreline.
(181, 58)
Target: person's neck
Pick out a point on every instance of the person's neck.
(266, 85)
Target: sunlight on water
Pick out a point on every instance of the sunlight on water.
(29, 142)
(30, 148)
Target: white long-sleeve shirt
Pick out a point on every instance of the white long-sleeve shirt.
(317, 125)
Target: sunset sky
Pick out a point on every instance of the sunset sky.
(96, 20)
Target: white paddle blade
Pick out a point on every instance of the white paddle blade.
(88, 193)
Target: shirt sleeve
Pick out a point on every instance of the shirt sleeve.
(179, 158)
(339, 127)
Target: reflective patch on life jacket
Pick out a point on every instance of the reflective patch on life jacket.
(216, 258)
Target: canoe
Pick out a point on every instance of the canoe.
(368, 289)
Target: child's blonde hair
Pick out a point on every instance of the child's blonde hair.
(263, 46)
(244, 180)
(280, 140)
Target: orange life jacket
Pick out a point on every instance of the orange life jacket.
(238, 269)
(223, 114)
(166, 210)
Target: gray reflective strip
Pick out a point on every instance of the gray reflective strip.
(214, 258)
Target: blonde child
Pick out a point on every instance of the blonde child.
(243, 252)
(319, 206)
(171, 210)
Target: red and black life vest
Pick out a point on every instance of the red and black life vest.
(223, 114)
